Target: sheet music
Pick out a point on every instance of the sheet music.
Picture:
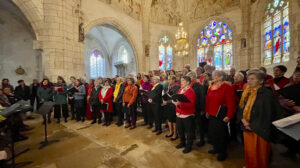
(287, 121)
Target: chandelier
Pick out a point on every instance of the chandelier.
(182, 45)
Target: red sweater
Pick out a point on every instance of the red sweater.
(107, 99)
(224, 96)
(187, 108)
(282, 82)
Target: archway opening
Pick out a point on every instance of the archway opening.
(108, 52)
(16, 45)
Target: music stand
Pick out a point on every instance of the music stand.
(44, 110)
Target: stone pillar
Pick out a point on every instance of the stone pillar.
(245, 56)
(63, 54)
(144, 61)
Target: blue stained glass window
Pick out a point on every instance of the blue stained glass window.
(276, 32)
(97, 65)
(217, 38)
(165, 54)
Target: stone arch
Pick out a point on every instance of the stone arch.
(33, 14)
(258, 43)
(119, 26)
(235, 37)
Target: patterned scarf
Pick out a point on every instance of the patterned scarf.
(247, 101)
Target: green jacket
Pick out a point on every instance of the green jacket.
(61, 97)
(46, 94)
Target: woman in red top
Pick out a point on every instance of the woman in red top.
(106, 97)
(219, 96)
(88, 89)
(185, 113)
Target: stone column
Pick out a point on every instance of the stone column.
(245, 56)
(144, 61)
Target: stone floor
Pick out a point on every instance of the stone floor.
(84, 146)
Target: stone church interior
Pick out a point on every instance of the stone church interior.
(150, 83)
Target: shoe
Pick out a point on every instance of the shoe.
(58, 121)
(108, 124)
(150, 126)
(25, 128)
(158, 132)
(144, 124)
(93, 122)
(29, 118)
(49, 121)
(66, 120)
(132, 127)
(20, 138)
(173, 139)
(77, 120)
(73, 118)
(104, 124)
(289, 154)
(99, 121)
(200, 144)
(154, 130)
(221, 157)
(82, 120)
(212, 151)
(181, 145)
(187, 150)
(168, 136)
(127, 126)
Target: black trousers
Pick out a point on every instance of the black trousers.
(186, 130)
(33, 98)
(145, 108)
(201, 125)
(71, 102)
(131, 114)
(218, 134)
(96, 112)
(79, 109)
(61, 108)
(120, 113)
(108, 117)
(156, 111)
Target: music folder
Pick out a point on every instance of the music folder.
(72, 90)
(104, 106)
(181, 98)
(289, 125)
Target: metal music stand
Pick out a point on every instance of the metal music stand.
(44, 110)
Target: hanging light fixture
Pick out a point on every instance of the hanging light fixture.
(182, 45)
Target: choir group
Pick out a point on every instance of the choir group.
(216, 106)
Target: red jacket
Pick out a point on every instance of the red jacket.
(224, 96)
(187, 108)
(107, 99)
(283, 82)
(130, 94)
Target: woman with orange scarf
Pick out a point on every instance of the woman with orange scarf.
(257, 111)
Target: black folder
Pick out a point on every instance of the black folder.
(292, 93)
(166, 97)
(104, 106)
(181, 98)
(222, 112)
(72, 90)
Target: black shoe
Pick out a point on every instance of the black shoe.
(66, 120)
(93, 122)
(201, 143)
(49, 121)
(289, 154)
(29, 118)
(158, 132)
(58, 121)
(144, 124)
(187, 149)
(181, 145)
(150, 126)
(20, 138)
(168, 136)
(78, 119)
(221, 157)
(173, 139)
(99, 121)
(73, 118)
(154, 130)
(82, 120)
(212, 151)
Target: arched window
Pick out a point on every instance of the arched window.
(122, 55)
(97, 66)
(215, 45)
(165, 54)
(276, 32)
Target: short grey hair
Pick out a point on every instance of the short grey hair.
(220, 74)
(156, 78)
(192, 74)
(260, 75)
(240, 74)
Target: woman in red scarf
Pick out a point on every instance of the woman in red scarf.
(106, 100)
(220, 107)
(89, 89)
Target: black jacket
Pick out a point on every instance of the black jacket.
(200, 97)
(157, 92)
(94, 98)
(119, 98)
(172, 91)
(22, 93)
(265, 110)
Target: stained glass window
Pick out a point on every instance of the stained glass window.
(276, 32)
(97, 66)
(165, 54)
(215, 45)
(122, 55)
